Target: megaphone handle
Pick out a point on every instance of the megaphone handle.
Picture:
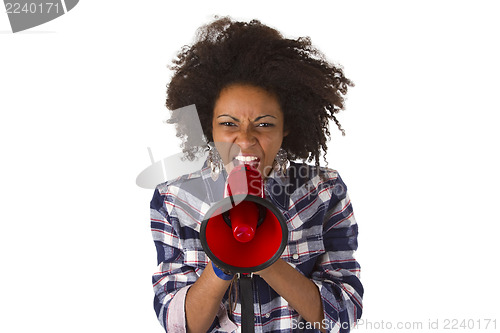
(247, 311)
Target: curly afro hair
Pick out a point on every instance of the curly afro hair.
(310, 90)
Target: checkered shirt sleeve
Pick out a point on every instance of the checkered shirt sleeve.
(338, 273)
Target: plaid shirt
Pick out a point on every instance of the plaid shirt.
(322, 240)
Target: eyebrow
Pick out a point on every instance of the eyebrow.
(256, 119)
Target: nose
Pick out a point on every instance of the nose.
(246, 138)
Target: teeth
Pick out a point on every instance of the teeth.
(246, 158)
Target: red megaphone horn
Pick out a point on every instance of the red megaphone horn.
(244, 233)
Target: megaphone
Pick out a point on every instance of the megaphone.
(244, 233)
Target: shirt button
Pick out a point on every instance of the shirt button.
(295, 256)
(267, 315)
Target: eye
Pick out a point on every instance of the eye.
(227, 123)
(265, 125)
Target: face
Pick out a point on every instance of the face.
(247, 127)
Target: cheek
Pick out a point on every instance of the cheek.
(218, 135)
(222, 136)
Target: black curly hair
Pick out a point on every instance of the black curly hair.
(310, 89)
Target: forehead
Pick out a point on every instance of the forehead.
(246, 100)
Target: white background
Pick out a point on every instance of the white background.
(82, 97)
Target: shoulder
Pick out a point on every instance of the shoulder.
(181, 181)
(188, 183)
(317, 179)
(186, 199)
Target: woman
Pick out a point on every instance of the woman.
(264, 100)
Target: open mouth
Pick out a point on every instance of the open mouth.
(246, 159)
